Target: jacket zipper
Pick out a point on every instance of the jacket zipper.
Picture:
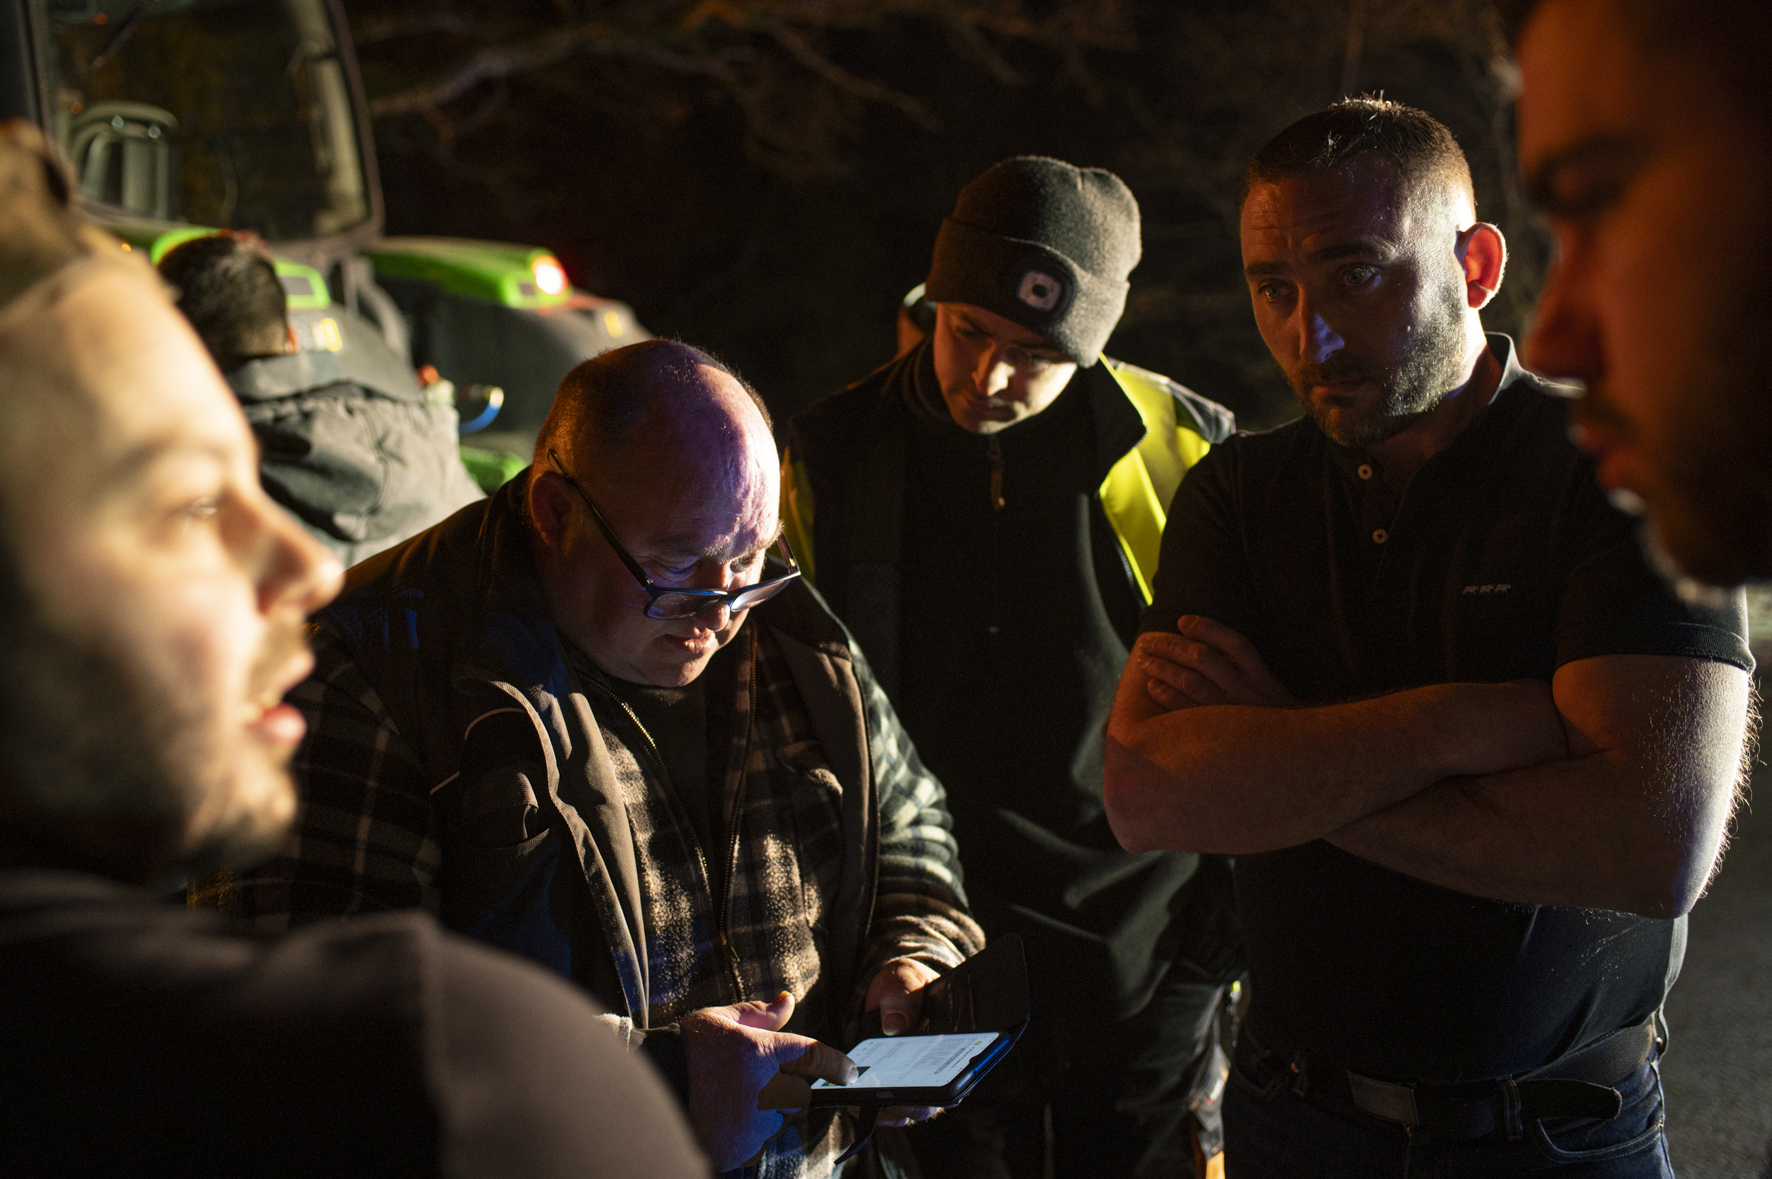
(728, 955)
(729, 951)
(994, 450)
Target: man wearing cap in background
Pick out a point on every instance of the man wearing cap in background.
(984, 512)
(347, 439)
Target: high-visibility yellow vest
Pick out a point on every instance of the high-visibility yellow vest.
(1136, 493)
(1134, 497)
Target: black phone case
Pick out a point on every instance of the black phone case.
(927, 1095)
(986, 993)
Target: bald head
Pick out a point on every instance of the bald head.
(677, 454)
(656, 399)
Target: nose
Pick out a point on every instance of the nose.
(992, 373)
(715, 617)
(1565, 338)
(296, 572)
(1320, 340)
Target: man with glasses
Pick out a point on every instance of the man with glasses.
(554, 719)
(984, 512)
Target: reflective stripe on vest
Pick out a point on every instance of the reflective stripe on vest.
(1136, 493)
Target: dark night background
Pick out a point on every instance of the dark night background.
(764, 178)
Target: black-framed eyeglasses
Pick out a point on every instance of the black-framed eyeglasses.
(667, 602)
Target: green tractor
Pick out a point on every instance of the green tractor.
(180, 117)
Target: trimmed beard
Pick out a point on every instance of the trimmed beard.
(1713, 517)
(1432, 367)
(88, 742)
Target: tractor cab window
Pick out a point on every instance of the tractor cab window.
(230, 113)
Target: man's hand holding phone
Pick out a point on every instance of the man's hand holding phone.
(743, 1070)
(897, 992)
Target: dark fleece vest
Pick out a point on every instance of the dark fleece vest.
(452, 630)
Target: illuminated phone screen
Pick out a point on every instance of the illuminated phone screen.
(914, 1062)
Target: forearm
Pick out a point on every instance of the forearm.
(920, 905)
(1635, 826)
(1237, 779)
(1576, 833)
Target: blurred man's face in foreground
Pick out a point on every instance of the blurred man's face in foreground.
(163, 592)
(1658, 187)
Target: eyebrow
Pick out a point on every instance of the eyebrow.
(683, 546)
(1595, 149)
(1360, 248)
(133, 464)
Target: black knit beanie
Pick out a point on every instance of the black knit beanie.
(1044, 244)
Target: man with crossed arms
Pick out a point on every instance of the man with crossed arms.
(1407, 664)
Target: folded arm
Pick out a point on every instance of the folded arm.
(1223, 762)
(1632, 820)
(1628, 815)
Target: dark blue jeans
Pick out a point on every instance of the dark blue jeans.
(1272, 1132)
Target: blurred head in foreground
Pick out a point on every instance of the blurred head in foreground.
(1646, 137)
(152, 596)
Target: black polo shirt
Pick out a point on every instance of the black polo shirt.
(1502, 561)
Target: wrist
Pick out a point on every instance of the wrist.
(1502, 727)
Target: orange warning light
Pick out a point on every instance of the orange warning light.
(550, 276)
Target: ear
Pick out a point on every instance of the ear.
(290, 343)
(1482, 253)
(550, 507)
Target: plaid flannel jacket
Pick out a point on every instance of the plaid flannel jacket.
(369, 837)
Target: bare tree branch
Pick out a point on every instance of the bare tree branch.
(870, 91)
(700, 37)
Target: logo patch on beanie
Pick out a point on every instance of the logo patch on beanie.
(1040, 290)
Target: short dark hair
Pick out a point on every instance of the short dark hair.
(1416, 143)
(605, 399)
(228, 288)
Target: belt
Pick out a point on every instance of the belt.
(1578, 1085)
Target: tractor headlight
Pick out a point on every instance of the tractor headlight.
(550, 276)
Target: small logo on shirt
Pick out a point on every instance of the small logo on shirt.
(1040, 290)
(1488, 589)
